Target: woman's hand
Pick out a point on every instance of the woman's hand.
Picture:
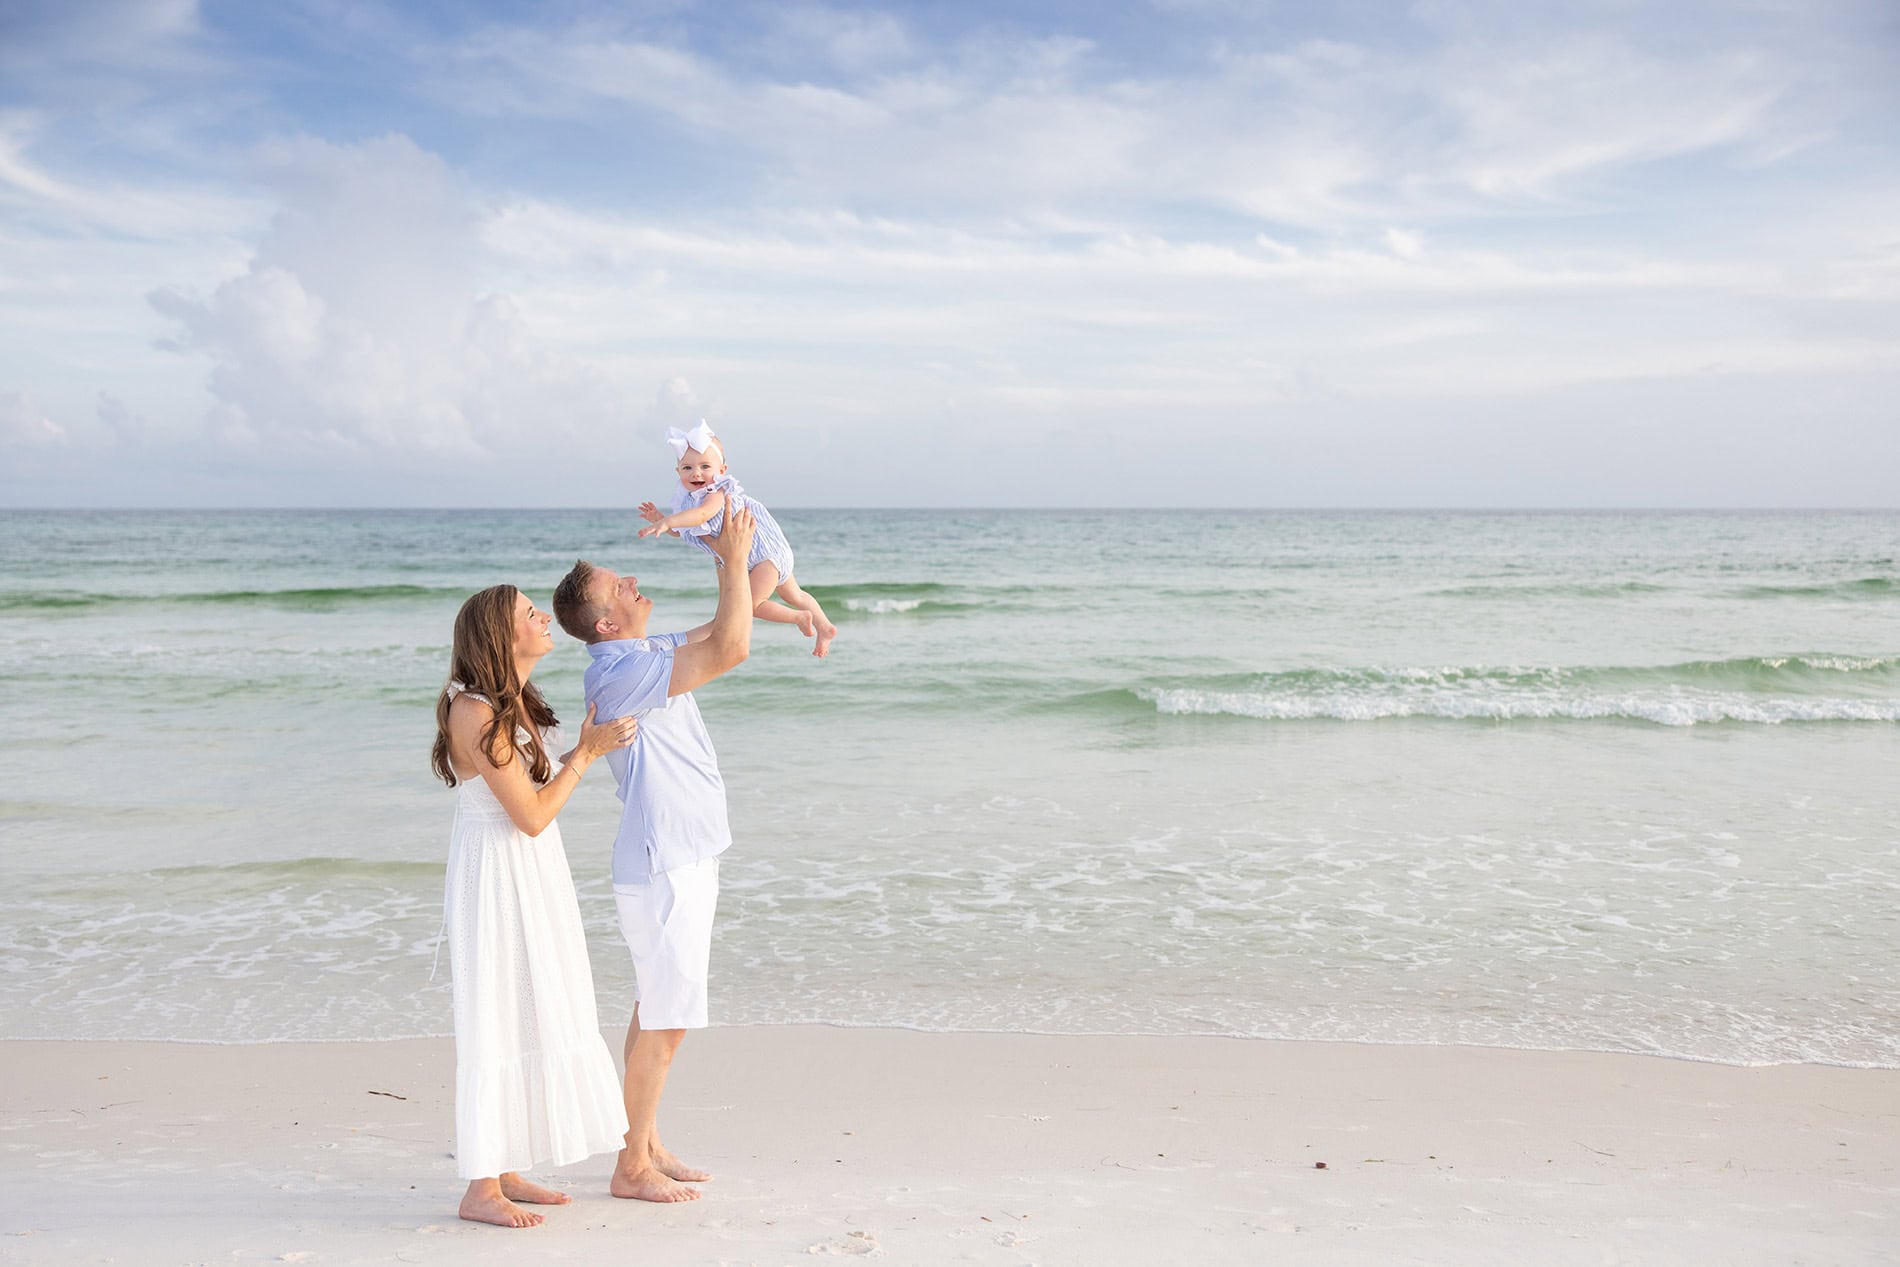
(600, 738)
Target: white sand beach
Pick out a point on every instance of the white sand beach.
(972, 1148)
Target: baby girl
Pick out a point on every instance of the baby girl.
(705, 490)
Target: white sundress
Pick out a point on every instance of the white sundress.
(534, 1083)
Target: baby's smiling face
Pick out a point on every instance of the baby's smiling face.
(698, 470)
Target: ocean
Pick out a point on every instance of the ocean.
(1595, 781)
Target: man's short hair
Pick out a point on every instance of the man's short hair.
(575, 607)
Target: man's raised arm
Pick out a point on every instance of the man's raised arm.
(729, 640)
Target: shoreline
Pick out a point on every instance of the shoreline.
(926, 1147)
(894, 1028)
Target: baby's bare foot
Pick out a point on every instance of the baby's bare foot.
(826, 632)
(648, 1184)
(515, 1188)
(806, 625)
(494, 1208)
(673, 1168)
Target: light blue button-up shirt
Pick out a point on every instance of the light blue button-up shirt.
(672, 800)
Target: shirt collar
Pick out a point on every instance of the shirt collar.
(617, 647)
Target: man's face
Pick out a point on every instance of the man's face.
(627, 608)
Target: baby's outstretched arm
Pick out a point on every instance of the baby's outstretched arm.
(691, 517)
(651, 513)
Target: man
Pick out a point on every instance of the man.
(672, 822)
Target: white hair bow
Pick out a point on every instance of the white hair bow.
(700, 438)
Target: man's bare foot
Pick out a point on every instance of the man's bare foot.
(806, 625)
(648, 1184)
(826, 632)
(492, 1207)
(515, 1188)
(673, 1168)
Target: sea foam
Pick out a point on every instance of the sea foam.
(1762, 690)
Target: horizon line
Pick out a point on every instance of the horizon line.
(1033, 510)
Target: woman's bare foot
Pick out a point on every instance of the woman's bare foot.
(515, 1188)
(826, 632)
(648, 1184)
(806, 625)
(484, 1203)
(673, 1168)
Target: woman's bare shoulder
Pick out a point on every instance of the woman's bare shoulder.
(469, 719)
(468, 711)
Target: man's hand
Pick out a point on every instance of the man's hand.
(728, 639)
(734, 541)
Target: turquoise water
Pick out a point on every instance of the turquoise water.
(1604, 781)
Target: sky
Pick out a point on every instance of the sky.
(1195, 253)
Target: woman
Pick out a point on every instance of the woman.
(533, 1080)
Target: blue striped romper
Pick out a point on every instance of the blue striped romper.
(768, 540)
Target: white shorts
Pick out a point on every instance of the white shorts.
(668, 926)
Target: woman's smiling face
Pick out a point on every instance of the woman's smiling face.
(532, 639)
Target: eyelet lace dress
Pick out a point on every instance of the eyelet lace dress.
(534, 1083)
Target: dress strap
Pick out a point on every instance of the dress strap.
(455, 689)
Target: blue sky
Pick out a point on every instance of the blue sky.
(1192, 252)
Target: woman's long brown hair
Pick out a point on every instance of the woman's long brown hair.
(482, 659)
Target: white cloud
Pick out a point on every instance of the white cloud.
(1306, 134)
(66, 207)
(840, 39)
(862, 322)
(677, 404)
(23, 423)
(818, 224)
(1407, 246)
(358, 324)
(1545, 115)
(888, 259)
(118, 419)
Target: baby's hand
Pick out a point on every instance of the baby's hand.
(653, 530)
(650, 512)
